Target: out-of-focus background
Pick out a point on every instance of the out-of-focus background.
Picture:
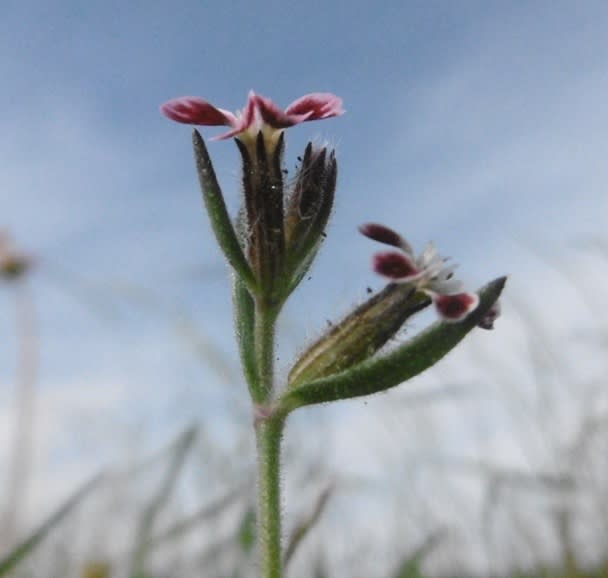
(478, 125)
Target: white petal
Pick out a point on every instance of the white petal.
(446, 286)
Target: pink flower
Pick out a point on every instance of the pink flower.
(259, 114)
(427, 273)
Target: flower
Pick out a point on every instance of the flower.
(260, 114)
(427, 273)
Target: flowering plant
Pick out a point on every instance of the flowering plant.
(272, 243)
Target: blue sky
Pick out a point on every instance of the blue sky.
(479, 125)
(478, 117)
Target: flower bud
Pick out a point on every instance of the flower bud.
(313, 192)
(360, 334)
(263, 191)
(309, 207)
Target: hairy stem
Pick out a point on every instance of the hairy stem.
(265, 317)
(269, 429)
(268, 434)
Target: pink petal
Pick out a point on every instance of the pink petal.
(272, 115)
(194, 110)
(248, 115)
(242, 122)
(310, 107)
(395, 266)
(315, 106)
(455, 307)
(382, 234)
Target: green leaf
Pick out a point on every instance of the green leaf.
(385, 371)
(244, 319)
(246, 532)
(21, 551)
(218, 214)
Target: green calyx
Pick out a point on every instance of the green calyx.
(360, 334)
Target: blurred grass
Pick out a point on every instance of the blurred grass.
(180, 530)
(27, 546)
(146, 525)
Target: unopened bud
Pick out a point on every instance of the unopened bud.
(263, 191)
(360, 334)
(309, 207)
(313, 192)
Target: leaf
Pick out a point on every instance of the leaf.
(244, 319)
(385, 371)
(246, 531)
(218, 213)
(21, 551)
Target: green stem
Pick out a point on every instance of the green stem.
(268, 434)
(263, 329)
(269, 429)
